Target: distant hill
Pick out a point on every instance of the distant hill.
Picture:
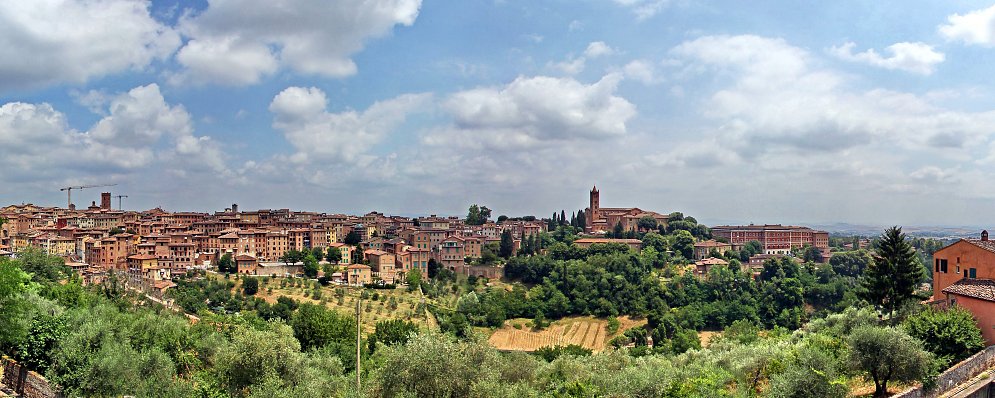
(911, 230)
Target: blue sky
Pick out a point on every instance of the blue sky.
(788, 112)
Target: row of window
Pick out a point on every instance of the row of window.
(941, 266)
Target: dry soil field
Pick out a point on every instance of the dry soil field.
(587, 332)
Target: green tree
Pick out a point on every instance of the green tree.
(684, 244)
(888, 354)
(35, 350)
(14, 284)
(952, 334)
(226, 264)
(507, 247)
(473, 215)
(250, 286)
(333, 255)
(851, 263)
(352, 238)
(895, 274)
(647, 223)
(617, 232)
(315, 326)
(41, 266)
(310, 266)
(812, 375)
(413, 278)
(391, 332)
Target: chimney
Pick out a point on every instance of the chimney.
(984, 236)
(105, 200)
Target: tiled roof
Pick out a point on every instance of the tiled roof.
(983, 289)
(984, 244)
(710, 243)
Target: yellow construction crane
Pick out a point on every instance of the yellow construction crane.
(69, 191)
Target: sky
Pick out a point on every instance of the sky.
(775, 112)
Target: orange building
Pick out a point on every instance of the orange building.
(964, 275)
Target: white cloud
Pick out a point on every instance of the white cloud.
(46, 42)
(240, 42)
(644, 9)
(345, 137)
(976, 27)
(598, 49)
(779, 104)
(641, 71)
(571, 66)
(536, 111)
(918, 58)
(131, 136)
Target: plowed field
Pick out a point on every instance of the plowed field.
(587, 332)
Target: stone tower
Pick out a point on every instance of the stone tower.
(105, 200)
(593, 214)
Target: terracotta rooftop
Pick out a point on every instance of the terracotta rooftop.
(711, 261)
(710, 243)
(983, 289)
(984, 244)
(607, 240)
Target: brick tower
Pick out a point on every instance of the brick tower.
(105, 200)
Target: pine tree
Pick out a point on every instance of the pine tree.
(507, 246)
(895, 274)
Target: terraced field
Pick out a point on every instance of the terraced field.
(588, 332)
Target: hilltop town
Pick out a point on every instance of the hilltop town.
(597, 282)
(152, 246)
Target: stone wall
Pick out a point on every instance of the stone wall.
(25, 382)
(956, 375)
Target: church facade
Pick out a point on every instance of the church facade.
(604, 219)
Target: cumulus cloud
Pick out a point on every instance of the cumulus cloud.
(131, 136)
(641, 71)
(345, 137)
(644, 9)
(598, 49)
(240, 42)
(536, 111)
(917, 58)
(779, 98)
(572, 66)
(976, 27)
(46, 42)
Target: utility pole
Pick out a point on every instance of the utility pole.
(119, 201)
(359, 386)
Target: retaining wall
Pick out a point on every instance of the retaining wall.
(955, 376)
(26, 383)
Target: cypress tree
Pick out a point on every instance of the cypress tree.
(563, 217)
(893, 277)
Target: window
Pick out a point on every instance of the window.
(972, 273)
(943, 265)
(958, 269)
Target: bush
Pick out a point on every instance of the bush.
(613, 325)
(952, 335)
(250, 286)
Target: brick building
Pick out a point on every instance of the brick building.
(773, 238)
(964, 275)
